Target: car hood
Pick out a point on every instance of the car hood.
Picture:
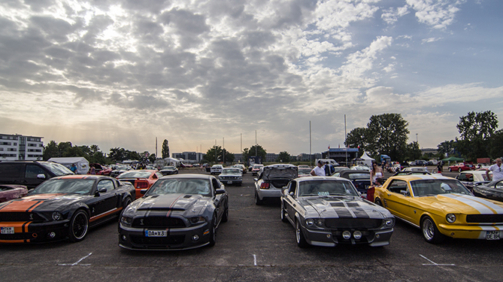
(166, 204)
(342, 207)
(457, 203)
(271, 173)
(41, 202)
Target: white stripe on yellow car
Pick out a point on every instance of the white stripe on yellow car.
(482, 209)
(496, 208)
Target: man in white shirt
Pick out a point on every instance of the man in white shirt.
(319, 170)
(497, 170)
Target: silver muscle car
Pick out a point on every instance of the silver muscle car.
(492, 190)
(326, 211)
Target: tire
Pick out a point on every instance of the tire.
(460, 170)
(225, 216)
(213, 232)
(258, 201)
(430, 231)
(283, 215)
(299, 237)
(126, 203)
(450, 169)
(378, 202)
(79, 225)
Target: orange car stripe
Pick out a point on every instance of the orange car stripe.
(34, 206)
(96, 217)
(14, 241)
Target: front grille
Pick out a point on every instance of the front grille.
(486, 218)
(228, 177)
(353, 223)
(20, 216)
(159, 221)
(170, 240)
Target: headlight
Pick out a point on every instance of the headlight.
(310, 222)
(450, 218)
(319, 222)
(57, 216)
(126, 221)
(389, 222)
(197, 220)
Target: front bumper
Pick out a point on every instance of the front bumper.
(469, 231)
(331, 238)
(30, 232)
(133, 238)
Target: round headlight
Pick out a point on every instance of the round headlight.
(346, 235)
(319, 222)
(389, 222)
(357, 234)
(450, 218)
(310, 222)
(57, 216)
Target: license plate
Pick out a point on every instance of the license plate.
(156, 233)
(7, 230)
(229, 182)
(492, 235)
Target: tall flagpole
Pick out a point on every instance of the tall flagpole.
(156, 155)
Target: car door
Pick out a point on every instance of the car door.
(33, 175)
(218, 200)
(12, 173)
(105, 201)
(395, 200)
(291, 200)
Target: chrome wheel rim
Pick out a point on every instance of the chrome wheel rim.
(282, 211)
(297, 232)
(80, 226)
(428, 229)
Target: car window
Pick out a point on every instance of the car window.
(72, 186)
(135, 174)
(326, 188)
(57, 169)
(293, 187)
(462, 177)
(180, 186)
(11, 171)
(216, 184)
(499, 185)
(32, 171)
(158, 174)
(108, 184)
(432, 187)
(397, 186)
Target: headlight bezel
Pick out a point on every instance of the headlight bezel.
(126, 221)
(315, 222)
(450, 218)
(196, 220)
(57, 216)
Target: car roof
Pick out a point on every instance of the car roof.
(188, 176)
(281, 165)
(83, 176)
(313, 178)
(420, 177)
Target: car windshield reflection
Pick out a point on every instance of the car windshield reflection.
(57, 169)
(135, 174)
(433, 187)
(66, 186)
(326, 188)
(180, 186)
(231, 171)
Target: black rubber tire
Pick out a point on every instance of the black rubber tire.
(258, 201)
(283, 215)
(225, 216)
(299, 236)
(378, 202)
(430, 231)
(126, 203)
(213, 232)
(79, 226)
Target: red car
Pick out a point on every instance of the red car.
(461, 167)
(141, 179)
(9, 192)
(101, 170)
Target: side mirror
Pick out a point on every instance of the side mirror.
(256, 179)
(143, 191)
(41, 176)
(405, 193)
(219, 191)
(291, 194)
(102, 190)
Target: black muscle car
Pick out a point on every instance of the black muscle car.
(326, 211)
(63, 207)
(360, 179)
(178, 212)
(492, 190)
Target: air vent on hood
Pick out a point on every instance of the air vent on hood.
(187, 196)
(341, 204)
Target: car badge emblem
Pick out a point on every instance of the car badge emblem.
(141, 221)
(31, 216)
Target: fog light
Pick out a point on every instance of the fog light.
(124, 237)
(377, 236)
(346, 235)
(52, 235)
(329, 236)
(34, 235)
(357, 234)
(195, 237)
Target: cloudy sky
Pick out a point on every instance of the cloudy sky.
(121, 73)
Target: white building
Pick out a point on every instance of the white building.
(19, 147)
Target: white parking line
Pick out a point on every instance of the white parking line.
(77, 262)
(432, 262)
(255, 260)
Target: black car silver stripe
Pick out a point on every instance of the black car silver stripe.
(343, 212)
(349, 209)
(360, 212)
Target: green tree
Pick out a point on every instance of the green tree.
(214, 154)
(357, 138)
(117, 154)
(229, 157)
(50, 150)
(151, 158)
(165, 149)
(255, 150)
(446, 147)
(63, 147)
(387, 134)
(496, 148)
(475, 131)
(413, 152)
(283, 157)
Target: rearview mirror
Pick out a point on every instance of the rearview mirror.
(220, 191)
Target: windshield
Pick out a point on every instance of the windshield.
(326, 188)
(432, 187)
(67, 186)
(231, 171)
(257, 166)
(122, 167)
(180, 186)
(168, 168)
(359, 176)
(135, 174)
(57, 169)
(304, 171)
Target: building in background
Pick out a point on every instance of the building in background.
(238, 158)
(271, 157)
(190, 157)
(305, 157)
(15, 147)
(340, 155)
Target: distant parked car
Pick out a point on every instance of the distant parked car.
(168, 170)
(413, 171)
(241, 167)
(492, 190)
(141, 179)
(231, 175)
(359, 178)
(272, 180)
(30, 173)
(256, 168)
(304, 172)
(118, 169)
(216, 169)
(461, 167)
(10, 192)
(473, 178)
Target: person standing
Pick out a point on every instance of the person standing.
(73, 168)
(497, 170)
(375, 173)
(319, 170)
(440, 167)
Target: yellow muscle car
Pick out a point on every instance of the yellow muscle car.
(441, 206)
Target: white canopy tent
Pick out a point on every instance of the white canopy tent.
(81, 163)
(365, 160)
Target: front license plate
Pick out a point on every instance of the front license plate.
(156, 233)
(7, 230)
(229, 182)
(492, 235)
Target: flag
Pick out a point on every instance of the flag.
(358, 146)
(329, 146)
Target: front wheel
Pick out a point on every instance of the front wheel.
(79, 225)
(430, 231)
(378, 202)
(299, 236)
(258, 201)
(283, 214)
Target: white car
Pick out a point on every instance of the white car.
(273, 178)
(216, 169)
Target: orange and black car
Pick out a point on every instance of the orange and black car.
(63, 208)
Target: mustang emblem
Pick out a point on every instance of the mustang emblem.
(31, 216)
(141, 221)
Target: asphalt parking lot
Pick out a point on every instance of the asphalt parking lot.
(254, 245)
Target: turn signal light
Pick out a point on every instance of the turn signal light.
(264, 186)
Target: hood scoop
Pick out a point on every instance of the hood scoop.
(187, 196)
(341, 204)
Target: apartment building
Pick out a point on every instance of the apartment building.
(18, 147)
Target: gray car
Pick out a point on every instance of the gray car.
(231, 175)
(272, 179)
(492, 190)
(327, 211)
